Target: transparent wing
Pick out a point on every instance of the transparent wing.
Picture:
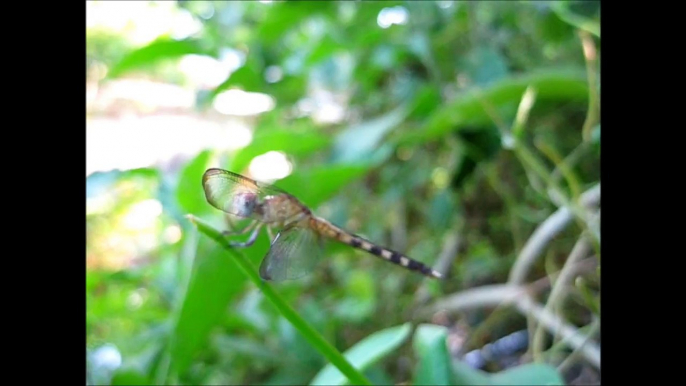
(234, 193)
(292, 255)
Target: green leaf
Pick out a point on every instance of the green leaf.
(360, 298)
(290, 89)
(427, 100)
(441, 211)
(214, 282)
(468, 376)
(315, 186)
(528, 374)
(160, 49)
(435, 364)
(272, 139)
(189, 192)
(485, 65)
(420, 45)
(247, 78)
(285, 15)
(561, 9)
(469, 108)
(365, 353)
(324, 49)
(434, 360)
(246, 347)
(378, 375)
(129, 377)
(357, 142)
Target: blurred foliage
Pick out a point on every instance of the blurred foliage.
(437, 139)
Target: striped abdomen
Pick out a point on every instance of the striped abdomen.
(329, 230)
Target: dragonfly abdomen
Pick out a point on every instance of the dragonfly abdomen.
(394, 257)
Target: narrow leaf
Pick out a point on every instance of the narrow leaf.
(471, 107)
(358, 141)
(189, 193)
(365, 353)
(315, 186)
(214, 283)
(528, 374)
(163, 48)
(434, 360)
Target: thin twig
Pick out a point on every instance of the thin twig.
(570, 334)
(565, 277)
(479, 297)
(569, 270)
(572, 358)
(451, 246)
(545, 232)
(569, 161)
(500, 294)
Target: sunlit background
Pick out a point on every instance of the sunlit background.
(141, 122)
(397, 120)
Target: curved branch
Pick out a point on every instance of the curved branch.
(557, 292)
(570, 334)
(499, 294)
(545, 232)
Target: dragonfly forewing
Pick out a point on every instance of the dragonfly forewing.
(235, 194)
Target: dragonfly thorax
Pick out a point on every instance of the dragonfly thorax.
(282, 210)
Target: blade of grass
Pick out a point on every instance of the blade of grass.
(568, 173)
(308, 332)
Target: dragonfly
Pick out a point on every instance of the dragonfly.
(300, 241)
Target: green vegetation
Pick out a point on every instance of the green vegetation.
(469, 139)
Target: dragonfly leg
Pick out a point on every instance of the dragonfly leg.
(241, 231)
(250, 241)
(270, 233)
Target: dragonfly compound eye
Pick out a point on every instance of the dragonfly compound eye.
(244, 203)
